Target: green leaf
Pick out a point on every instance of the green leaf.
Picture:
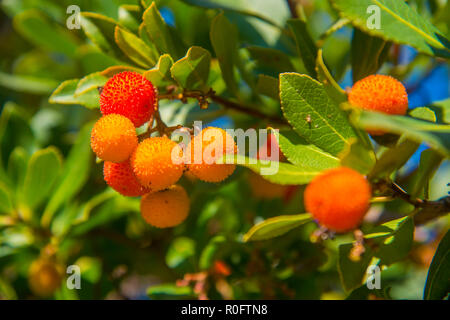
(299, 152)
(430, 161)
(5, 200)
(423, 113)
(394, 158)
(34, 26)
(165, 291)
(43, 169)
(29, 84)
(278, 172)
(160, 75)
(398, 22)
(135, 48)
(192, 71)
(435, 135)
(276, 226)
(159, 32)
(352, 272)
(436, 287)
(442, 110)
(66, 94)
(358, 157)
(128, 16)
(74, 175)
(305, 45)
(180, 250)
(90, 82)
(271, 59)
(330, 85)
(17, 166)
(368, 53)
(268, 86)
(224, 39)
(96, 36)
(313, 115)
(208, 254)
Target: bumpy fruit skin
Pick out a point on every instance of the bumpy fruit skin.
(167, 208)
(113, 138)
(338, 198)
(379, 93)
(153, 165)
(210, 139)
(120, 177)
(45, 277)
(131, 95)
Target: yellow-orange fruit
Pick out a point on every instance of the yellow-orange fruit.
(120, 177)
(210, 145)
(45, 277)
(157, 163)
(338, 198)
(379, 93)
(113, 138)
(261, 188)
(166, 208)
(131, 95)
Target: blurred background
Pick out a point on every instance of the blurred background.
(103, 233)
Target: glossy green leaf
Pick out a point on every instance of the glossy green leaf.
(43, 169)
(279, 172)
(299, 152)
(65, 94)
(313, 115)
(75, 173)
(305, 45)
(159, 32)
(368, 54)
(224, 39)
(160, 75)
(90, 82)
(96, 36)
(358, 157)
(34, 26)
(135, 49)
(423, 113)
(276, 226)
(398, 22)
(180, 250)
(330, 85)
(435, 135)
(436, 287)
(192, 71)
(430, 161)
(442, 110)
(270, 59)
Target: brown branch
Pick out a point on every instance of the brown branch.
(425, 210)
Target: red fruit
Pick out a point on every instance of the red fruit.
(131, 95)
(120, 177)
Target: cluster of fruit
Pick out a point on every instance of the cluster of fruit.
(148, 168)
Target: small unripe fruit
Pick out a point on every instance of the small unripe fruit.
(131, 95)
(379, 93)
(45, 277)
(113, 138)
(157, 163)
(210, 145)
(338, 198)
(166, 208)
(120, 177)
